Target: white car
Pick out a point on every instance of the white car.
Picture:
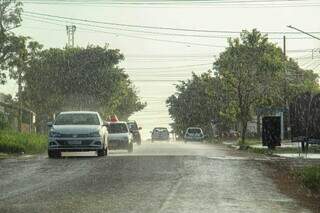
(194, 134)
(119, 136)
(77, 131)
(160, 134)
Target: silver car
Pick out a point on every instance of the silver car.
(77, 131)
(160, 134)
(119, 136)
(194, 134)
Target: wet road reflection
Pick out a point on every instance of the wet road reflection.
(156, 177)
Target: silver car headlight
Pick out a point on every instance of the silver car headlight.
(94, 134)
(54, 134)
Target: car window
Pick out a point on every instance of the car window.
(194, 131)
(158, 130)
(132, 126)
(118, 128)
(77, 119)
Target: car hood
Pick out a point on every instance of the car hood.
(75, 129)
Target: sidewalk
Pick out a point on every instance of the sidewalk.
(287, 150)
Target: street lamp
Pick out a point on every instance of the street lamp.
(301, 31)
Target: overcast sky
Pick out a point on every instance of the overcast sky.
(155, 85)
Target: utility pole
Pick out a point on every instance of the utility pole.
(20, 98)
(71, 29)
(285, 86)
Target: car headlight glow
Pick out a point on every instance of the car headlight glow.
(54, 134)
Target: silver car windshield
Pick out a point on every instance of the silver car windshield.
(77, 119)
(194, 131)
(118, 128)
(158, 130)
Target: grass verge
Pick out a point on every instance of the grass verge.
(310, 177)
(282, 150)
(14, 142)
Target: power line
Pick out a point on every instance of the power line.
(149, 32)
(246, 3)
(34, 18)
(139, 37)
(31, 17)
(171, 67)
(151, 27)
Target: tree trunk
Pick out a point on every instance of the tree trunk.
(258, 125)
(243, 131)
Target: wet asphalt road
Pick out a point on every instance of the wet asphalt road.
(159, 177)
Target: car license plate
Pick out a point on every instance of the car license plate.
(74, 142)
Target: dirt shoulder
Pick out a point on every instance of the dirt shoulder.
(283, 173)
(284, 176)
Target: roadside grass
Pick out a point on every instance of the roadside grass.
(283, 150)
(15, 143)
(251, 141)
(310, 177)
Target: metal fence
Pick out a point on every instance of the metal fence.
(11, 115)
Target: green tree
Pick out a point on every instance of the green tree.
(27, 51)
(79, 79)
(248, 68)
(250, 73)
(10, 18)
(196, 103)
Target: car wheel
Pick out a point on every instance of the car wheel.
(130, 148)
(101, 152)
(51, 154)
(58, 154)
(54, 153)
(106, 151)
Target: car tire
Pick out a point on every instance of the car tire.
(101, 152)
(130, 148)
(54, 153)
(106, 152)
(51, 154)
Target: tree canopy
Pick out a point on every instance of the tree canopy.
(251, 72)
(79, 79)
(10, 18)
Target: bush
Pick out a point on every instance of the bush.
(3, 122)
(310, 177)
(15, 142)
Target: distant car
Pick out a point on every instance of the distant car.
(160, 134)
(119, 136)
(134, 129)
(77, 131)
(194, 134)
